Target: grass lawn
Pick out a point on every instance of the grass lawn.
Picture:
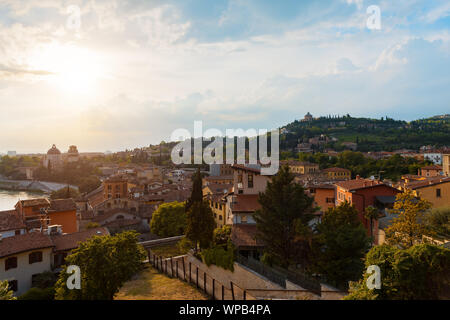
(152, 285)
(168, 250)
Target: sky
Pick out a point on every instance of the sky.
(110, 75)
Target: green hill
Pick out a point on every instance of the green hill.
(383, 134)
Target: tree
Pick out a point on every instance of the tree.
(5, 292)
(222, 235)
(65, 193)
(106, 262)
(200, 225)
(197, 190)
(169, 220)
(408, 227)
(89, 184)
(282, 221)
(340, 245)
(418, 273)
(437, 222)
(371, 213)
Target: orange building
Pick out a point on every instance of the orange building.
(323, 196)
(363, 193)
(430, 171)
(115, 187)
(63, 212)
(31, 209)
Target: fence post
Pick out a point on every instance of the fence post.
(176, 266)
(232, 290)
(204, 281)
(245, 295)
(184, 270)
(213, 289)
(160, 260)
(165, 262)
(223, 292)
(171, 266)
(197, 277)
(190, 272)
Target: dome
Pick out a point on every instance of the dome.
(53, 150)
(73, 150)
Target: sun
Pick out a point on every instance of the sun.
(72, 69)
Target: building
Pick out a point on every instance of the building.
(430, 171)
(337, 173)
(301, 167)
(53, 158)
(436, 158)
(435, 190)
(115, 187)
(72, 154)
(22, 257)
(217, 180)
(220, 169)
(323, 196)
(363, 193)
(308, 117)
(446, 164)
(11, 224)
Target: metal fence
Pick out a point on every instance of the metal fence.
(279, 276)
(178, 267)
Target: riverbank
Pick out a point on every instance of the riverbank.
(32, 186)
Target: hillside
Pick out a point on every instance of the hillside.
(370, 134)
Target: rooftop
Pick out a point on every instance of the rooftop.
(71, 241)
(10, 220)
(23, 243)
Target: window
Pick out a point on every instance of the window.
(250, 181)
(312, 190)
(438, 193)
(244, 219)
(13, 285)
(330, 200)
(220, 217)
(35, 257)
(240, 178)
(10, 263)
(17, 232)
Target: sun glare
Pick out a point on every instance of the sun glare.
(74, 70)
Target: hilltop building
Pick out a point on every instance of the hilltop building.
(53, 158)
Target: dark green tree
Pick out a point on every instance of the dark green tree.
(200, 225)
(197, 190)
(340, 245)
(65, 193)
(282, 221)
(106, 262)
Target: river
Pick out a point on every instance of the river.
(9, 198)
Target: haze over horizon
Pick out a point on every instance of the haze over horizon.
(134, 71)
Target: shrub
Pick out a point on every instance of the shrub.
(39, 294)
(219, 256)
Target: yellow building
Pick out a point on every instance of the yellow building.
(435, 190)
(337, 173)
(301, 167)
(446, 164)
(215, 194)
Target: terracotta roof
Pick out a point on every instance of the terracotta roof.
(62, 205)
(427, 182)
(245, 168)
(219, 188)
(219, 178)
(23, 243)
(358, 184)
(434, 167)
(336, 169)
(245, 203)
(110, 213)
(35, 202)
(122, 223)
(10, 220)
(71, 241)
(87, 215)
(244, 235)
